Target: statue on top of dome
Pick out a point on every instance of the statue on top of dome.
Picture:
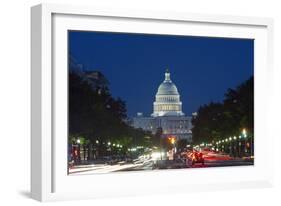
(167, 75)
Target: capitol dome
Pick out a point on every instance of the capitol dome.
(167, 99)
(167, 87)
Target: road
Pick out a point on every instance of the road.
(105, 168)
(211, 160)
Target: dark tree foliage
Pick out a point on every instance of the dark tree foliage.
(181, 143)
(95, 115)
(157, 138)
(207, 124)
(216, 121)
(239, 105)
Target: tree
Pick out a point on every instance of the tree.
(96, 115)
(157, 138)
(239, 106)
(216, 121)
(207, 123)
(181, 143)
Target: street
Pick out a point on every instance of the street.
(211, 160)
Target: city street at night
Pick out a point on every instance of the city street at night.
(161, 113)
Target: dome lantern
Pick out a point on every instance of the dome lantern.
(167, 75)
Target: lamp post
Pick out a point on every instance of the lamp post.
(252, 145)
(78, 149)
(173, 142)
(230, 146)
(239, 146)
(109, 148)
(97, 149)
(244, 134)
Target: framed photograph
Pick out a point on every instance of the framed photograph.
(137, 102)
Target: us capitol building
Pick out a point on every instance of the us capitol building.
(167, 113)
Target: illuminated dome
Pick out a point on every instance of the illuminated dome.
(167, 87)
(167, 99)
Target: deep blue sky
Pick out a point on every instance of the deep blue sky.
(202, 68)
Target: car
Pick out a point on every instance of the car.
(196, 157)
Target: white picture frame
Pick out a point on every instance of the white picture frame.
(49, 181)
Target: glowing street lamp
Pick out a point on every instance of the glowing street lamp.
(109, 143)
(78, 141)
(244, 132)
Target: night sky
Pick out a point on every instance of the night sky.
(202, 68)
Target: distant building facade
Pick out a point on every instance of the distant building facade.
(167, 113)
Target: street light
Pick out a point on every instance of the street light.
(109, 143)
(173, 142)
(244, 132)
(78, 148)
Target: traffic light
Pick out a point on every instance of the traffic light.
(172, 140)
